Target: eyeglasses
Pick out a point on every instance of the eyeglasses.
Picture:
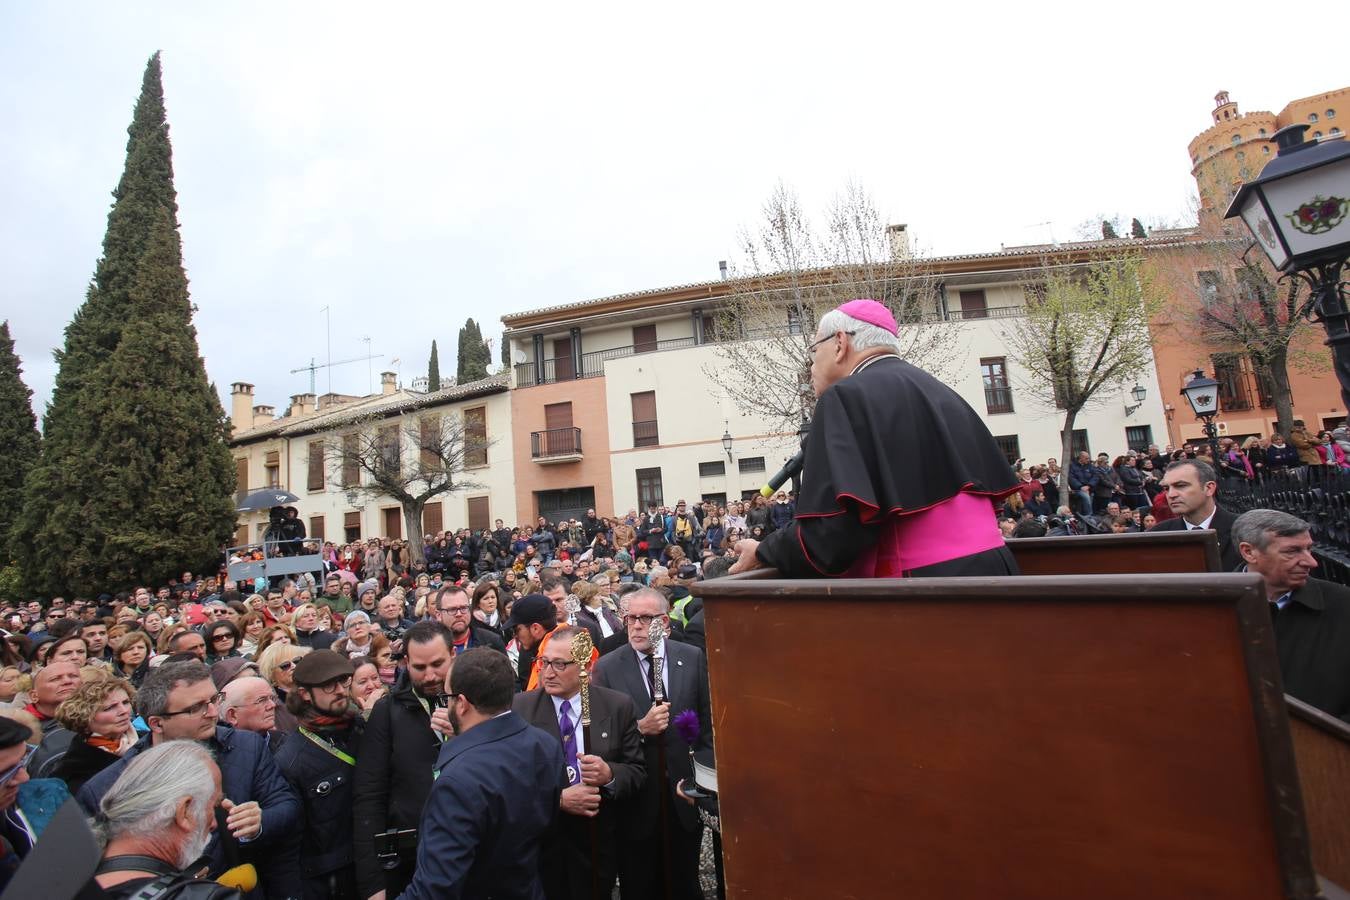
(337, 684)
(222, 637)
(644, 621)
(201, 708)
(557, 665)
(811, 348)
(8, 775)
(454, 610)
(286, 666)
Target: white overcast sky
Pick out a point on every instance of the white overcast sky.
(411, 165)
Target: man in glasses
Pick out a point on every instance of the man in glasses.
(179, 702)
(607, 772)
(454, 611)
(319, 761)
(16, 835)
(250, 704)
(684, 686)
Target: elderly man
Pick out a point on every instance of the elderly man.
(250, 704)
(1311, 616)
(684, 669)
(1190, 486)
(599, 777)
(179, 702)
(156, 820)
(899, 470)
(52, 686)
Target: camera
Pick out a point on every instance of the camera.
(390, 845)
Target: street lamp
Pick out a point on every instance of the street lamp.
(1297, 210)
(726, 442)
(1138, 392)
(1203, 395)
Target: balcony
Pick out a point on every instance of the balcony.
(645, 434)
(992, 312)
(998, 400)
(592, 364)
(556, 445)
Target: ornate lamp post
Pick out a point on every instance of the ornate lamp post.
(1138, 393)
(1203, 395)
(726, 443)
(1297, 210)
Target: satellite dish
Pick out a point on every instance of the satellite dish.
(520, 356)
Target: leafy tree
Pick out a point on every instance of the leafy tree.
(135, 480)
(434, 369)
(19, 439)
(474, 355)
(1085, 334)
(506, 353)
(1137, 229)
(1108, 231)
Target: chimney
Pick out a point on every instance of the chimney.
(899, 238)
(263, 415)
(388, 383)
(302, 404)
(241, 403)
(722, 267)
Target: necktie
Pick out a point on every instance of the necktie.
(569, 736)
(651, 675)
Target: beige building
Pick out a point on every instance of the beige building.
(294, 452)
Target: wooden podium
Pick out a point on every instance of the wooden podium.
(1037, 737)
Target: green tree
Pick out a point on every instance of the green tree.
(433, 369)
(506, 353)
(135, 480)
(1108, 231)
(1137, 229)
(19, 439)
(474, 355)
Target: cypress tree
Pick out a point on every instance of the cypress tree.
(135, 479)
(434, 369)
(473, 353)
(19, 440)
(506, 353)
(1108, 231)
(1137, 229)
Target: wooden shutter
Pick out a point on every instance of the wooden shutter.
(241, 475)
(351, 520)
(315, 465)
(273, 458)
(393, 523)
(316, 528)
(645, 432)
(563, 370)
(475, 437)
(557, 415)
(351, 462)
(644, 338)
(478, 514)
(973, 305)
(431, 518)
(391, 454)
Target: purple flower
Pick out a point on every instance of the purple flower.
(686, 726)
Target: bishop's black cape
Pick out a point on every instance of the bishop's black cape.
(888, 440)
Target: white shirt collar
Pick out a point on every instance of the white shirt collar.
(1205, 524)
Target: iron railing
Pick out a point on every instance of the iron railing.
(1319, 495)
(555, 442)
(998, 400)
(645, 434)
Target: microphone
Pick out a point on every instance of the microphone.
(781, 477)
(242, 878)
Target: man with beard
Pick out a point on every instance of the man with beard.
(156, 820)
(532, 618)
(497, 790)
(402, 738)
(319, 762)
(454, 611)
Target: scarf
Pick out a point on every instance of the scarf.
(37, 713)
(115, 746)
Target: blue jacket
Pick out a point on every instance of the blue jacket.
(1082, 476)
(247, 772)
(1281, 457)
(492, 804)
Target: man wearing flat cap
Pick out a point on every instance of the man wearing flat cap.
(900, 474)
(319, 761)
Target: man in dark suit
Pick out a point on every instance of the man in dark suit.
(1190, 485)
(1311, 617)
(602, 773)
(496, 793)
(656, 814)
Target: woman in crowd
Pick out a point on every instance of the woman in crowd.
(382, 655)
(367, 688)
(1330, 452)
(131, 657)
(99, 716)
(357, 642)
(10, 678)
(600, 547)
(275, 634)
(71, 648)
(152, 625)
(222, 641)
(1131, 482)
(251, 626)
(486, 606)
(1255, 449)
(307, 630)
(276, 665)
(593, 609)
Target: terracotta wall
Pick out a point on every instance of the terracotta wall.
(587, 396)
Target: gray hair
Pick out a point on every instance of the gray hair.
(144, 799)
(866, 336)
(650, 592)
(1258, 526)
(153, 697)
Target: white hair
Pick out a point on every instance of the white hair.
(144, 799)
(866, 336)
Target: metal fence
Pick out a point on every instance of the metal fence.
(1319, 495)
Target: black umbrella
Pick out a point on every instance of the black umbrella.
(266, 499)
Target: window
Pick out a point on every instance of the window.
(1335, 131)
(430, 452)
(645, 433)
(750, 464)
(431, 519)
(1262, 132)
(644, 338)
(479, 517)
(351, 526)
(1265, 386)
(316, 528)
(794, 321)
(393, 522)
(1317, 134)
(241, 477)
(649, 487)
(1079, 441)
(475, 437)
(391, 456)
(315, 482)
(711, 469)
(351, 463)
(1228, 372)
(1252, 284)
(272, 468)
(1138, 437)
(974, 305)
(715, 499)
(1265, 151)
(1312, 118)
(1010, 445)
(1209, 286)
(1237, 139)
(564, 367)
(1331, 114)
(997, 393)
(750, 494)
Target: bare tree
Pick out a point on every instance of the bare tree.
(1085, 333)
(790, 274)
(414, 459)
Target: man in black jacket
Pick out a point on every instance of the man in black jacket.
(1311, 617)
(318, 761)
(455, 612)
(1191, 485)
(398, 752)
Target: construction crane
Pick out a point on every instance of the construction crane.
(313, 367)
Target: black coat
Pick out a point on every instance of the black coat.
(81, 762)
(393, 779)
(1229, 557)
(1312, 637)
(324, 783)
